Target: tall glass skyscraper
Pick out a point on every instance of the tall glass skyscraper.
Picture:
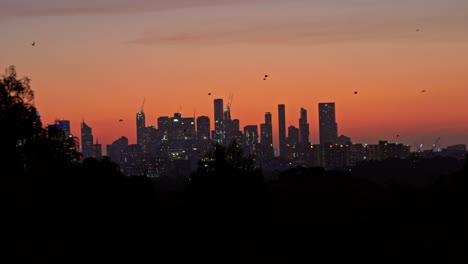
(282, 129)
(140, 124)
(328, 128)
(218, 134)
(303, 127)
(86, 140)
(203, 128)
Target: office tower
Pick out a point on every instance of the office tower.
(292, 142)
(182, 128)
(203, 127)
(233, 132)
(303, 128)
(151, 139)
(250, 141)
(282, 129)
(218, 133)
(304, 137)
(178, 134)
(97, 150)
(61, 125)
(266, 131)
(231, 129)
(141, 125)
(164, 125)
(328, 129)
(266, 139)
(86, 140)
(60, 129)
(115, 150)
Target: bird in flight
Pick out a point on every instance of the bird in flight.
(423, 91)
(209, 93)
(34, 43)
(397, 135)
(417, 29)
(120, 120)
(355, 92)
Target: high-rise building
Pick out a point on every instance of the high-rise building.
(233, 131)
(115, 150)
(141, 125)
(218, 133)
(97, 150)
(266, 138)
(266, 131)
(292, 143)
(303, 127)
(182, 128)
(179, 135)
(203, 128)
(250, 141)
(328, 128)
(164, 126)
(282, 129)
(61, 125)
(304, 137)
(86, 140)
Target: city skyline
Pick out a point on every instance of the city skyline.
(204, 128)
(373, 59)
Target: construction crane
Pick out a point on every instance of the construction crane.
(420, 147)
(229, 103)
(227, 110)
(142, 105)
(435, 145)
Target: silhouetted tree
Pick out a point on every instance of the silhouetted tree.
(53, 148)
(24, 144)
(19, 118)
(226, 168)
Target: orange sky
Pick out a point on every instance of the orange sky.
(100, 60)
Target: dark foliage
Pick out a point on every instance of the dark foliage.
(225, 170)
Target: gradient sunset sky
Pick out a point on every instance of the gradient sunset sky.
(100, 59)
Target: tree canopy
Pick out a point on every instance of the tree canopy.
(225, 168)
(24, 143)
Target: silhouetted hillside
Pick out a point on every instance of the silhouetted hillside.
(92, 212)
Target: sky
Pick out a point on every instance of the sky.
(102, 60)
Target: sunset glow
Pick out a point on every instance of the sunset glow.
(99, 60)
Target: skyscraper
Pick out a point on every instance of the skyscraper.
(250, 141)
(141, 125)
(266, 137)
(292, 150)
(203, 142)
(303, 128)
(282, 129)
(86, 140)
(114, 151)
(61, 125)
(203, 128)
(266, 131)
(218, 134)
(328, 128)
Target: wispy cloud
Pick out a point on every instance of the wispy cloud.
(310, 30)
(35, 8)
